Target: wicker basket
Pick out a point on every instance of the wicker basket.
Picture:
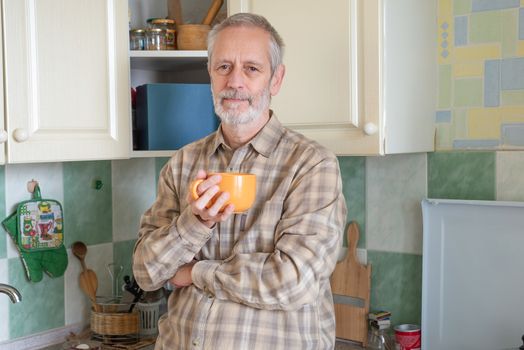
(120, 323)
(114, 324)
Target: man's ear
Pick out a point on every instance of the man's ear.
(276, 80)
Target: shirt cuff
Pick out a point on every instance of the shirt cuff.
(191, 229)
(203, 275)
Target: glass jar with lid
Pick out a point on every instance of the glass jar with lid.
(156, 39)
(168, 25)
(137, 39)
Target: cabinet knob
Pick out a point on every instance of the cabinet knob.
(20, 135)
(370, 129)
(3, 136)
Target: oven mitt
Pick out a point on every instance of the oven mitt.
(37, 231)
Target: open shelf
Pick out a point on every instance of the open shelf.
(166, 66)
(168, 60)
(151, 154)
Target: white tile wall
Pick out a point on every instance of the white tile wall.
(4, 303)
(77, 304)
(134, 190)
(510, 176)
(395, 186)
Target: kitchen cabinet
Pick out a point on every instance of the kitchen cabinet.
(66, 79)
(360, 74)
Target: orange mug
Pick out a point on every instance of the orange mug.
(242, 188)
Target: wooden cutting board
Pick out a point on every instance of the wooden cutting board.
(351, 284)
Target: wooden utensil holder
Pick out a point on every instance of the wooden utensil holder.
(114, 323)
(192, 36)
(119, 323)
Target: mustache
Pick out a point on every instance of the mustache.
(235, 94)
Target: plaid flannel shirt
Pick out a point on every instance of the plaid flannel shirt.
(261, 280)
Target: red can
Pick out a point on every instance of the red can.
(408, 336)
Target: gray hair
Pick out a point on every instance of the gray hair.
(276, 44)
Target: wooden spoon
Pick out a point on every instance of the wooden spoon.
(88, 279)
(212, 11)
(174, 11)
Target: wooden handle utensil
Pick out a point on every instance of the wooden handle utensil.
(212, 12)
(88, 280)
(174, 11)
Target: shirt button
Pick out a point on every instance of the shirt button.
(196, 342)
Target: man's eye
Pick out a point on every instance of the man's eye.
(223, 68)
(252, 69)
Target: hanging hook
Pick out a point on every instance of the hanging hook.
(31, 185)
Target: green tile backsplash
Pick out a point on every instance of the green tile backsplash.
(396, 285)
(461, 175)
(122, 255)
(42, 306)
(87, 209)
(159, 164)
(368, 185)
(354, 187)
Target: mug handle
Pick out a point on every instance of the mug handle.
(193, 188)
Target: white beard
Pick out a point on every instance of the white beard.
(257, 105)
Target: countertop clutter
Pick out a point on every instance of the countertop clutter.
(65, 346)
(340, 345)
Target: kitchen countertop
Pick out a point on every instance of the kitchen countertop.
(343, 345)
(340, 345)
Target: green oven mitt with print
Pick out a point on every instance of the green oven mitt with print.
(37, 229)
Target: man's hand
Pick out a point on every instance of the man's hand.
(182, 277)
(207, 207)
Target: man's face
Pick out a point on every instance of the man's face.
(240, 72)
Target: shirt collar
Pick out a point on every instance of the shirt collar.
(264, 142)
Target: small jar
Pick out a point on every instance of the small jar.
(169, 26)
(137, 39)
(156, 39)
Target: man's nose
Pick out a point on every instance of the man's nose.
(236, 78)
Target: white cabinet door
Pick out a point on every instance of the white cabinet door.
(67, 79)
(320, 95)
(334, 88)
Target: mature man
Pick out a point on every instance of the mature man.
(259, 279)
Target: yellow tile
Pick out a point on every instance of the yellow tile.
(445, 9)
(522, 3)
(520, 46)
(476, 53)
(484, 123)
(470, 69)
(512, 98)
(511, 114)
